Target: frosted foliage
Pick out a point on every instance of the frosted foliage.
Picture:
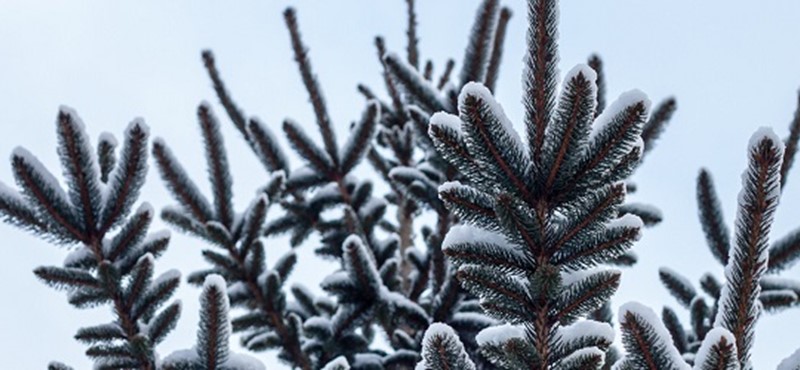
(499, 334)
(791, 363)
(442, 333)
(34, 162)
(446, 120)
(647, 315)
(109, 138)
(416, 76)
(449, 185)
(625, 100)
(238, 361)
(168, 275)
(469, 234)
(571, 277)
(627, 220)
(645, 208)
(8, 192)
(371, 206)
(728, 299)
(782, 282)
(235, 361)
(216, 282)
(712, 338)
(586, 328)
(80, 254)
(479, 91)
(339, 363)
(318, 322)
(593, 351)
(588, 73)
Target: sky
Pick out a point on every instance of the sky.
(732, 65)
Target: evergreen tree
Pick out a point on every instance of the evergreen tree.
(514, 273)
(113, 256)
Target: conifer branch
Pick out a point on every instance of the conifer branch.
(443, 350)
(16, 211)
(394, 94)
(717, 352)
(115, 270)
(179, 183)
(678, 286)
(675, 328)
(359, 141)
(791, 144)
(493, 67)
(266, 145)
(304, 146)
(573, 120)
(411, 33)
(596, 63)
(539, 78)
(717, 234)
(417, 90)
(478, 52)
(784, 253)
(445, 77)
(80, 168)
(428, 71)
(218, 171)
(655, 124)
(748, 258)
(41, 189)
(312, 86)
(128, 176)
(646, 341)
(236, 114)
(106, 145)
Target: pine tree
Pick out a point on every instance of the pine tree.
(113, 256)
(514, 273)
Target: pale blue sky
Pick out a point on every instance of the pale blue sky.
(733, 66)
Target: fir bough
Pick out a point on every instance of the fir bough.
(112, 260)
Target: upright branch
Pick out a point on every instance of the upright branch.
(237, 116)
(476, 56)
(411, 33)
(541, 69)
(312, 86)
(493, 68)
(747, 261)
(212, 351)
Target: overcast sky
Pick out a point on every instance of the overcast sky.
(733, 67)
